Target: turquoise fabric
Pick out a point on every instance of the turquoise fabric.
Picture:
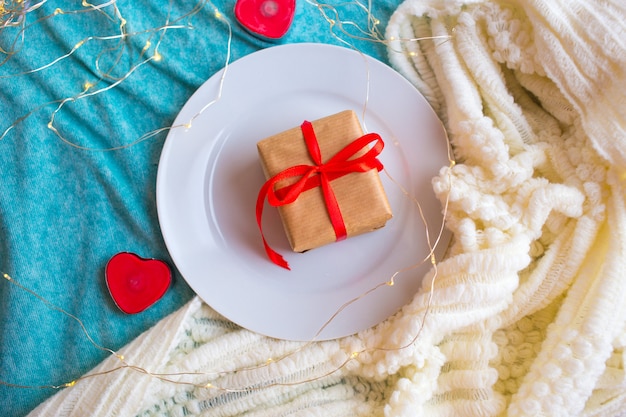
(64, 211)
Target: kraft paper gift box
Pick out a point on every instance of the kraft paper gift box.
(360, 195)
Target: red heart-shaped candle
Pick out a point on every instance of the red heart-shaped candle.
(268, 19)
(136, 283)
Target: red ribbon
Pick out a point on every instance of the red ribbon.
(320, 174)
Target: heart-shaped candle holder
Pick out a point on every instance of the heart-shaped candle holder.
(267, 19)
(136, 283)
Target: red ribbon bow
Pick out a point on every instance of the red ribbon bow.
(320, 174)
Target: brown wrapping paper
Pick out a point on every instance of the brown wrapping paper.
(361, 196)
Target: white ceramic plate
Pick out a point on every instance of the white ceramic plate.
(209, 177)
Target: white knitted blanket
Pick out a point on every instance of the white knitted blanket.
(528, 309)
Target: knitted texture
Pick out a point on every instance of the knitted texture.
(531, 95)
(525, 316)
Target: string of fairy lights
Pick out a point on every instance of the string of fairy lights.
(15, 17)
(149, 53)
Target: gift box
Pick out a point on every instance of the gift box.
(346, 164)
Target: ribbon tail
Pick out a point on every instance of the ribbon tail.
(275, 257)
(271, 253)
(334, 212)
